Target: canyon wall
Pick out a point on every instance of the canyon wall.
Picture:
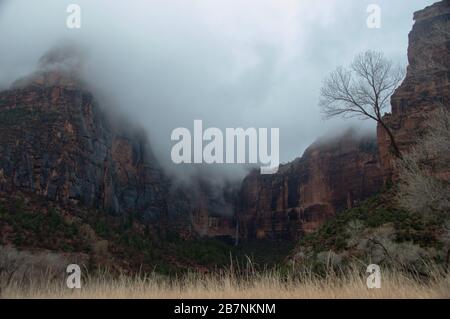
(333, 174)
(427, 83)
(55, 141)
(203, 208)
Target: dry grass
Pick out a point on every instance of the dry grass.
(265, 285)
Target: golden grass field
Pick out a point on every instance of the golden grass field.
(258, 286)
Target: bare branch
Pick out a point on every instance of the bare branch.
(363, 90)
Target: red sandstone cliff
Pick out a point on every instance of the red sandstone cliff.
(57, 142)
(332, 175)
(427, 83)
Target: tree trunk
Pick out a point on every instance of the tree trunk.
(447, 260)
(395, 150)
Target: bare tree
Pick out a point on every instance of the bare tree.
(362, 90)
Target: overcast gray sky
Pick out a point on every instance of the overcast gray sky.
(231, 63)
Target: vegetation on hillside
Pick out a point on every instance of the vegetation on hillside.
(407, 225)
(376, 232)
(121, 243)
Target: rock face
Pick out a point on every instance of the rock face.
(213, 214)
(427, 83)
(56, 141)
(203, 209)
(331, 175)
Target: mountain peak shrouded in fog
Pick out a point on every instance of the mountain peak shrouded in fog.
(67, 56)
(61, 65)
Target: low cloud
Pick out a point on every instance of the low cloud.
(251, 63)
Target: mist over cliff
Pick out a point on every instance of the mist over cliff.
(229, 63)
